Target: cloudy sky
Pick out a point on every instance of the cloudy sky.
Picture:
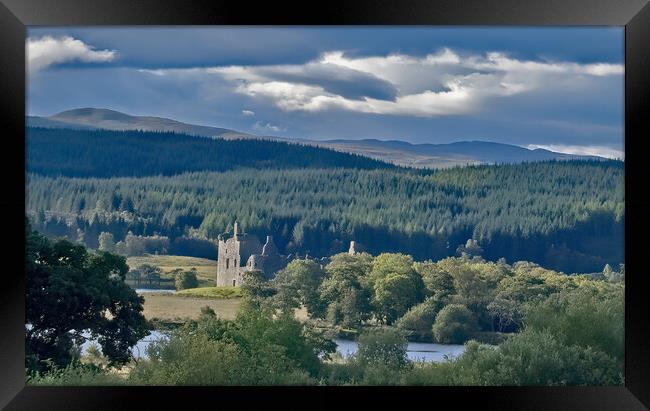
(557, 88)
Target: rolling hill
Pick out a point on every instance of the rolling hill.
(99, 118)
(393, 151)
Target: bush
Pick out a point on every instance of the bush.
(186, 279)
(257, 348)
(591, 315)
(419, 319)
(382, 346)
(454, 324)
(526, 358)
(490, 337)
(75, 374)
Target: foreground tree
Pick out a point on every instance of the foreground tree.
(258, 347)
(382, 356)
(383, 346)
(70, 291)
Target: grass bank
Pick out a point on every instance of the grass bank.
(175, 309)
(212, 292)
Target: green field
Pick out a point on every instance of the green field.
(172, 308)
(183, 305)
(206, 270)
(212, 292)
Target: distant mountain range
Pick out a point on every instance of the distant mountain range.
(95, 118)
(393, 151)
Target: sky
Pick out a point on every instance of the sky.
(560, 88)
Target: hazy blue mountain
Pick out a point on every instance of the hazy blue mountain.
(444, 155)
(393, 151)
(114, 120)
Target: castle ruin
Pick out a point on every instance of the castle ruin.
(244, 252)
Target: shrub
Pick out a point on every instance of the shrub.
(382, 346)
(591, 315)
(75, 374)
(186, 279)
(419, 319)
(454, 324)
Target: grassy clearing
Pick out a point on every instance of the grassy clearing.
(212, 292)
(172, 308)
(206, 270)
(175, 308)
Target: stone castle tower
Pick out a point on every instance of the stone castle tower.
(243, 252)
(230, 254)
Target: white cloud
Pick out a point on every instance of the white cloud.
(45, 51)
(266, 127)
(248, 113)
(438, 84)
(602, 151)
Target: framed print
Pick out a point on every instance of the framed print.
(348, 200)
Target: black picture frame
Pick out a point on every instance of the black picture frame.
(15, 15)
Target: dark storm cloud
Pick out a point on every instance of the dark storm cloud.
(540, 86)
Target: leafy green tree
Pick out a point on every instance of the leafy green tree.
(531, 357)
(591, 315)
(454, 324)
(514, 292)
(476, 283)
(419, 319)
(394, 294)
(257, 348)
(396, 286)
(386, 346)
(436, 279)
(256, 288)
(347, 300)
(69, 291)
(106, 242)
(135, 275)
(186, 279)
(134, 245)
(150, 272)
(297, 284)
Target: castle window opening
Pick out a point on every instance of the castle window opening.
(227, 263)
(233, 283)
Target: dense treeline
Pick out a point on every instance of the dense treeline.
(449, 301)
(569, 329)
(107, 153)
(568, 215)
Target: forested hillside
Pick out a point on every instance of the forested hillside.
(107, 153)
(567, 216)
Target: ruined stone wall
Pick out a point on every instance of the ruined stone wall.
(228, 263)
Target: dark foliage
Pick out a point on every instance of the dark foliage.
(567, 216)
(70, 291)
(106, 153)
